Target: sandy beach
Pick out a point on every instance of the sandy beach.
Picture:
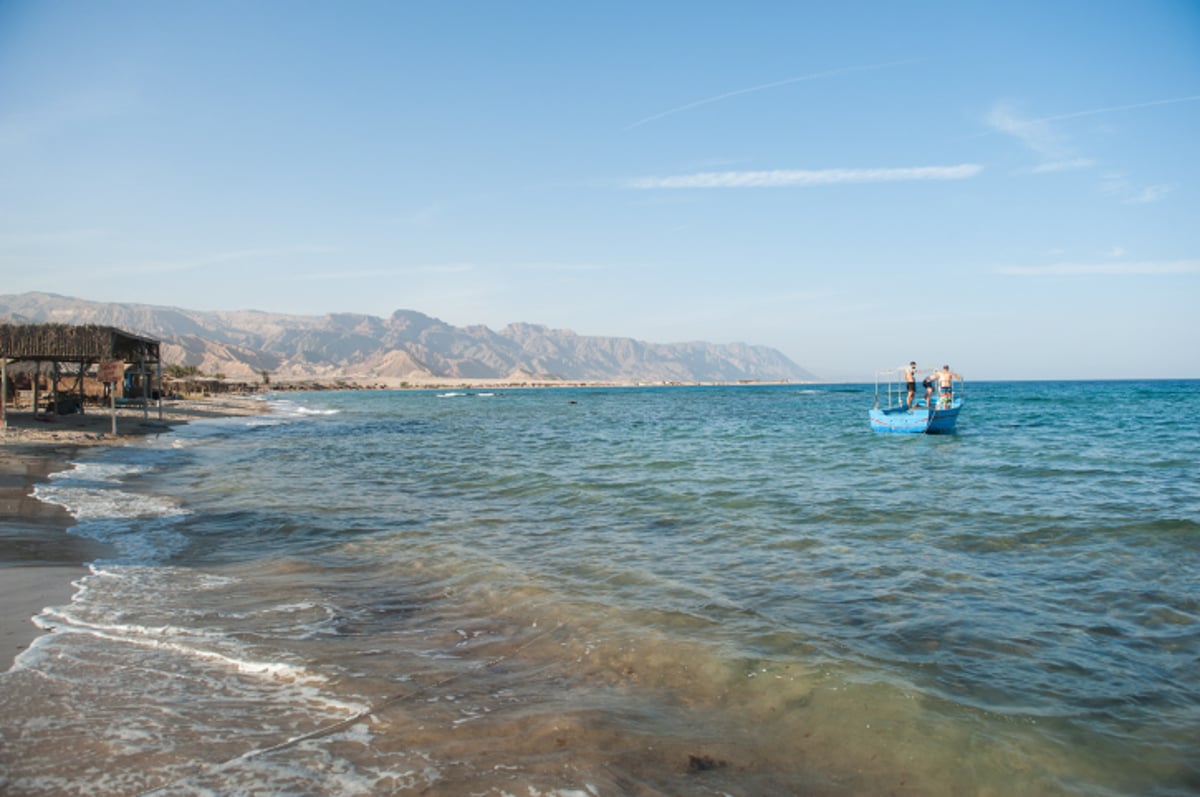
(39, 558)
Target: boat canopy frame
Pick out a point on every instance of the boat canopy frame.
(893, 378)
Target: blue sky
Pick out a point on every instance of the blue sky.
(1012, 188)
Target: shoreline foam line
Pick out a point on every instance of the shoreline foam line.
(348, 722)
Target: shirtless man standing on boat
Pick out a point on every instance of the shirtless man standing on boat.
(910, 382)
(945, 379)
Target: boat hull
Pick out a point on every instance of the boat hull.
(920, 421)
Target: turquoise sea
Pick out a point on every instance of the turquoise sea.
(640, 591)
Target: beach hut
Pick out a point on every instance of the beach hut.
(124, 362)
(194, 385)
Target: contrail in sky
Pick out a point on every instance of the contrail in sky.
(1088, 269)
(1095, 111)
(814, 76)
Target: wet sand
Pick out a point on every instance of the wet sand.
(39, 557)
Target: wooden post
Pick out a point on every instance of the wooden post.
(37, 385)
(111, 373)
(4, 392)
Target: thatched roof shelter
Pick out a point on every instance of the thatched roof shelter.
(68, 343)
(80, 346)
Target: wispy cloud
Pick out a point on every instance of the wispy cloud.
(1149, 194)
(1144, 268)
(560, 267)
(218, 259)
(434, 270)
(765, 86)
(791, 178)
(1119, 185)
(1070, 165)
(395, 271)
(1037, 135)
(35, 239)
(1044, 137)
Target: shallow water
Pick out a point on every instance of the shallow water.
(734, 590)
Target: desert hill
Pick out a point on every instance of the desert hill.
(408, 346)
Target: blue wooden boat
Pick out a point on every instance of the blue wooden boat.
(891, 413)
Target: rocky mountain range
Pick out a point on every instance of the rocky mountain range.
(408, 346)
